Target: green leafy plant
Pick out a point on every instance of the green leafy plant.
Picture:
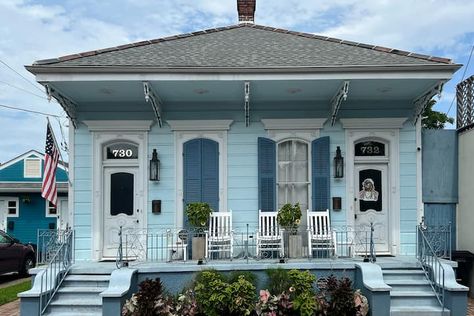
(242, 297)
(198, 214)
(185, 304)
(278, 281)
(306, 304)
(247, 275)
(289, 217)
(301, 281)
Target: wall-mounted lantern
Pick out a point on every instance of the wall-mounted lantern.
(338, 164)
(154, 167)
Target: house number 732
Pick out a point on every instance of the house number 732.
(370, 149)
(122, 153)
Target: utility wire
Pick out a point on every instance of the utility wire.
(24, 90)
(464, 74)
(29, 111)
(19, 74)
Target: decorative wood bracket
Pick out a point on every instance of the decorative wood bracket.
(67, 104)
(154, 99)
(247, 103)
(422, 101)
(336, 101)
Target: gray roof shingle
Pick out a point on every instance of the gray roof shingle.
(244, 46)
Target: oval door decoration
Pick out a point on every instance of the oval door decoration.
(370, 190)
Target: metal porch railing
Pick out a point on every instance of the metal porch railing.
(430, 263)
(59, 261)
(176, 244)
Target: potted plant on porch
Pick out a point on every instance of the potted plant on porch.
(198, 216)
(289, 217)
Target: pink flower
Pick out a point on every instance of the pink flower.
(264, 295)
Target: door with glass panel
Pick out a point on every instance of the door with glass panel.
(293, 174)
(121, 206)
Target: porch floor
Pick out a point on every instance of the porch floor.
(398, 262)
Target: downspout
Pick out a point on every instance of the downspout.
(419, 176)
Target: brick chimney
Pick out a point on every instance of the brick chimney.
(246, 9)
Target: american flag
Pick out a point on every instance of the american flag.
(49, 189)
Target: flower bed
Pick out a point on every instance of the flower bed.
(292, 292)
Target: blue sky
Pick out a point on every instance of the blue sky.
(33, 30)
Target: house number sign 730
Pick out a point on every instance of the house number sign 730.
(122, 153)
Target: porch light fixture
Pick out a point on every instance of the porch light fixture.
(154, 167)
(338, 164)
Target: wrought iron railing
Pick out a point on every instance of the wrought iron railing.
(58, 266)
(174, 244)
(430, 264)
(48, 242)
(439, 238)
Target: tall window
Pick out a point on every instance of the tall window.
(51, 210)
(12, 207)
(293, 173)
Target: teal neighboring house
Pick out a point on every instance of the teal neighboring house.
(22, 209)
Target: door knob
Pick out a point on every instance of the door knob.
(355, 216)
(138, 221)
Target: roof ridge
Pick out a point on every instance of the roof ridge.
(235, 26)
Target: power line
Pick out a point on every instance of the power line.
(24, 90)
(29, 111)
(464, 74)
(19, 74)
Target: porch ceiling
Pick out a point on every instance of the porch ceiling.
(261, 91)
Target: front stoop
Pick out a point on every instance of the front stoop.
(411, 293)
(79, 295)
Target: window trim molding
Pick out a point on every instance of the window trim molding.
(381, 123)
(294, 124)
(40, 167)
(47, 208)
(199, 125)
(8, 199)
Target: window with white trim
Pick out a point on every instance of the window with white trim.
(32, 168)
(12, 207)
(293, 177)
(51, 210)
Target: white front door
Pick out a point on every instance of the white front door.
(122, 206)
(371, 203)
(63, 216)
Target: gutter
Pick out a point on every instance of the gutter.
(40, 69)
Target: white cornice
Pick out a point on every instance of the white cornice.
(293, 124)
(365, 123)
(122, 125)
(199, 125)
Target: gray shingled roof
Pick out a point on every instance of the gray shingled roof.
(244, 46)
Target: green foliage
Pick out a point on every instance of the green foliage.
(149, 301)
(341, 297)
(198, 213)
(306, 304)
(242, 297)
(432, 119)
(278, 280)
(301, 281)
(247, 275)
(289, 216)
(217, 296)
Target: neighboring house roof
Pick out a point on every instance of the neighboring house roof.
(28, 187)
(61, 164)
(243, 46)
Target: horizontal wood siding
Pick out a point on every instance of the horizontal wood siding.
(408, 191)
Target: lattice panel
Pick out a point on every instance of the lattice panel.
(465, 103)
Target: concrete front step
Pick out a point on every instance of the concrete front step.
(406, 275)
(413, 298)
(419, 311)
(79, 295)
(409, 285)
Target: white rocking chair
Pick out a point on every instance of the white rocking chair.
(269, 235)
(320, 236)
(220, 237)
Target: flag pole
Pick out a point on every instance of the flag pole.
(59, 149)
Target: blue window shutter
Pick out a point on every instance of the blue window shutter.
(210, 173)
(320, 173)
(266, 174)
(192, 171)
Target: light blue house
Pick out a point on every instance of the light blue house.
(22, 209)
(247, 118)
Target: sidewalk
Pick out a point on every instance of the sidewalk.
(10, 309)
